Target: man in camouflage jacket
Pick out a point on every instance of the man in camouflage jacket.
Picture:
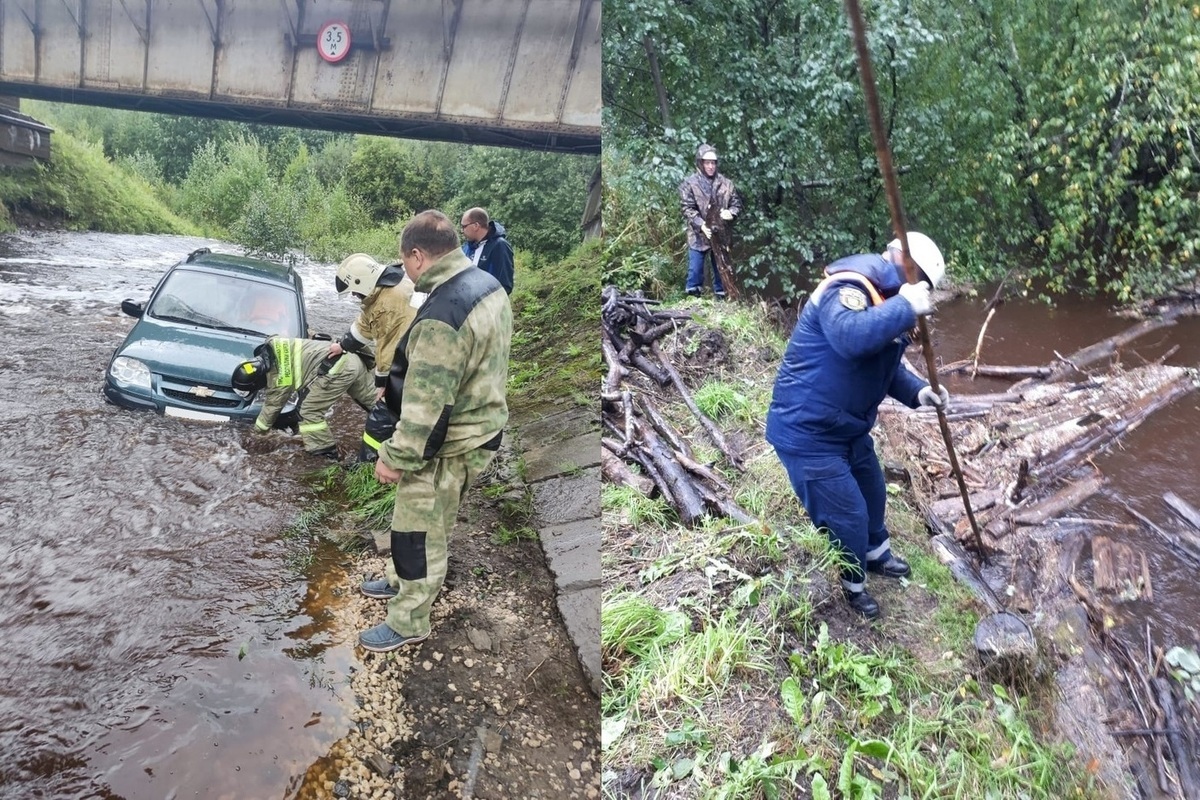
(302, 366)
(707, 197)
(447, 389)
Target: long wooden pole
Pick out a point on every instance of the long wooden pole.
(892, 190)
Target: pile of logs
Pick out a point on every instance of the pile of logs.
(1027, 457)
(637, 432)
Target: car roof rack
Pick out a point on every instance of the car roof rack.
(192, 256)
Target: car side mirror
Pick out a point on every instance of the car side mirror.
(133, 309)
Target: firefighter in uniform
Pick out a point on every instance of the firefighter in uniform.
(284, 367)
(845, 356)
(389, 304)
(446, 388)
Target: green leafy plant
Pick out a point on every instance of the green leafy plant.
(1185, 668)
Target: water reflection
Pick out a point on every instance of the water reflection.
(140, 556)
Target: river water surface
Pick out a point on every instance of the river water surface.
(157, 640)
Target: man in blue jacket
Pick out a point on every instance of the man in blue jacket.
(844, 357)
(487, 246)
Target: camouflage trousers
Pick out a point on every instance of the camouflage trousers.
(348, 376)
(427, 502)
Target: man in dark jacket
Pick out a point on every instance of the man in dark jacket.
(487, 246)
(704, 190)
(845, 356)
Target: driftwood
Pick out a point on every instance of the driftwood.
(615, 472)
(1068, 497)
(1186, 548)
(710, 427)
(721, 236)
(638, 432)
(1030, 454)
(1184, 765)
(951, 553)
(1116, 568)
(1071, 365)
(1181, 507)
(974, 369)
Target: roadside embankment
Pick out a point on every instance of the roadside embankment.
(731, 664)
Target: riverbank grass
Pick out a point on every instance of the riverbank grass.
(556, 320)
(733, 669)
(80, 189)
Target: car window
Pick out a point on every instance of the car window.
(227, 302)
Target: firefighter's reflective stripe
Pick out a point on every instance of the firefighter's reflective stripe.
(259, 425)
(337, 365)
(287, 362)
(370, 441)
(309, 427)
(298, 360)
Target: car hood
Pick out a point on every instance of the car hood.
(201, 355)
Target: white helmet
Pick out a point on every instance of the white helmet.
(357, 273)
(926, 254)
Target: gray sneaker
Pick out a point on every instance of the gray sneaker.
(378, 589)
(382, 639)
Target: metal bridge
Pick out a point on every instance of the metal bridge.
(518, 73)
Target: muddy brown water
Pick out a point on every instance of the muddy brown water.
(139, 555)
(1161, 455)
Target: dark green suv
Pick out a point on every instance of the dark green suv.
(205, 316)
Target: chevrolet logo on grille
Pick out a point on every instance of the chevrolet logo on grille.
(201, 391)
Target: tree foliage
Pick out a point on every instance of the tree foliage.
(1060, 140)
(539, 197)
(278, 190)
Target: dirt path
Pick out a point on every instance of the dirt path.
(494, 704)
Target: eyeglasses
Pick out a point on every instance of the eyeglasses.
(466, 225)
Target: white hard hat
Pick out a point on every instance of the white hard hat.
(357, 273)
(926, 254)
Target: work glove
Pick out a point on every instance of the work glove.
(928, 397)
(288, 421)
(917, 295)
(707, 231)
(726, 214)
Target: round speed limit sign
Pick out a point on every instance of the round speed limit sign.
(333, 41)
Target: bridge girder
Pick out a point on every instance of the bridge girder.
(514, 73)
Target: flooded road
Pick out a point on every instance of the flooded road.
(159, 638)
(1159, 456)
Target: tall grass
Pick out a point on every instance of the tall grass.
(82, 190)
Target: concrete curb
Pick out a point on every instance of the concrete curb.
(561, 450)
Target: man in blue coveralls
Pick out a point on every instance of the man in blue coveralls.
(843, 358)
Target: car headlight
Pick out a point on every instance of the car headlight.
(130, 372)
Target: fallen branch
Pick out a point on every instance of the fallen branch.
(710, 427)
(1181, 507)
(979, 341)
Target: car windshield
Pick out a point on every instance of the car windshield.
(227, 302)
